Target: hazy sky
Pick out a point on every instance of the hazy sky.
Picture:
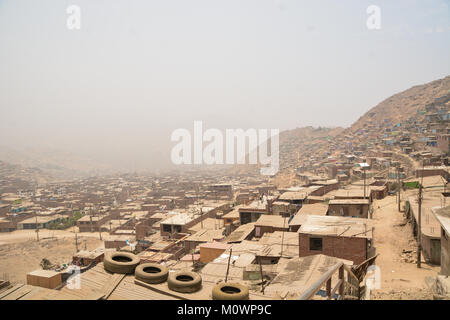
(136, 70)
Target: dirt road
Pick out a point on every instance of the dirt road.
(399, 279)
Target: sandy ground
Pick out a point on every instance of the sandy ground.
(26, 235)
(399, 279)
(21, 253)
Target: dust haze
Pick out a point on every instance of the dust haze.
(108, 96)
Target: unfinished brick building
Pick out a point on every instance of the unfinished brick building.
(340, 237)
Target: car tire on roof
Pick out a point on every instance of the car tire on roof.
(120, 262)
(230, 291)
(184, 281)
(151, 273)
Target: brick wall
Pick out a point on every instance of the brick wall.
(141, 230)
(354, 249)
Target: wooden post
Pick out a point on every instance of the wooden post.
(262, 276)
(398, 187)
(282, 237)
(37, 230)
(419, 226)
(201, 216)
(228, 265)
(341, 277)
(329, 288)
(364, 171)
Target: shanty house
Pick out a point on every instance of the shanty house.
(340, 237)
(357, 208)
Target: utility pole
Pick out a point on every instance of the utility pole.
(398, 186)
(262, 276)
(76, 241)
(201, 216)
(228, 265)
(282, 238)
(419, 230)
(364, 172)
(37, 229)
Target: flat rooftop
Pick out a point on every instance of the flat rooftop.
(279, 244)
(298, 274)
(240, 233)
(275, 221)
(349, 201)
(337, 226)
(180, 218)
(351, 193)
(443, 216)
(293, 195)
(318, 209)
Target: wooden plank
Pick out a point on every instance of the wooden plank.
(351, 285)
(34, 292)
(149, 286)
(4, 284)
(11, 290)
(329, 288)
(361, 269)
(350, 272)
(112, 284)
(17, 294)
(337, 286)
(311, 291)
(341, 280)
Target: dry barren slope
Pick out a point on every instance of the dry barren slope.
(405, 104)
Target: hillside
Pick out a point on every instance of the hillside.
(406, 104)
(57, 163)
(302, 147)
(15, 177)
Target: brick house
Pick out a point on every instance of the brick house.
(340, 237)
